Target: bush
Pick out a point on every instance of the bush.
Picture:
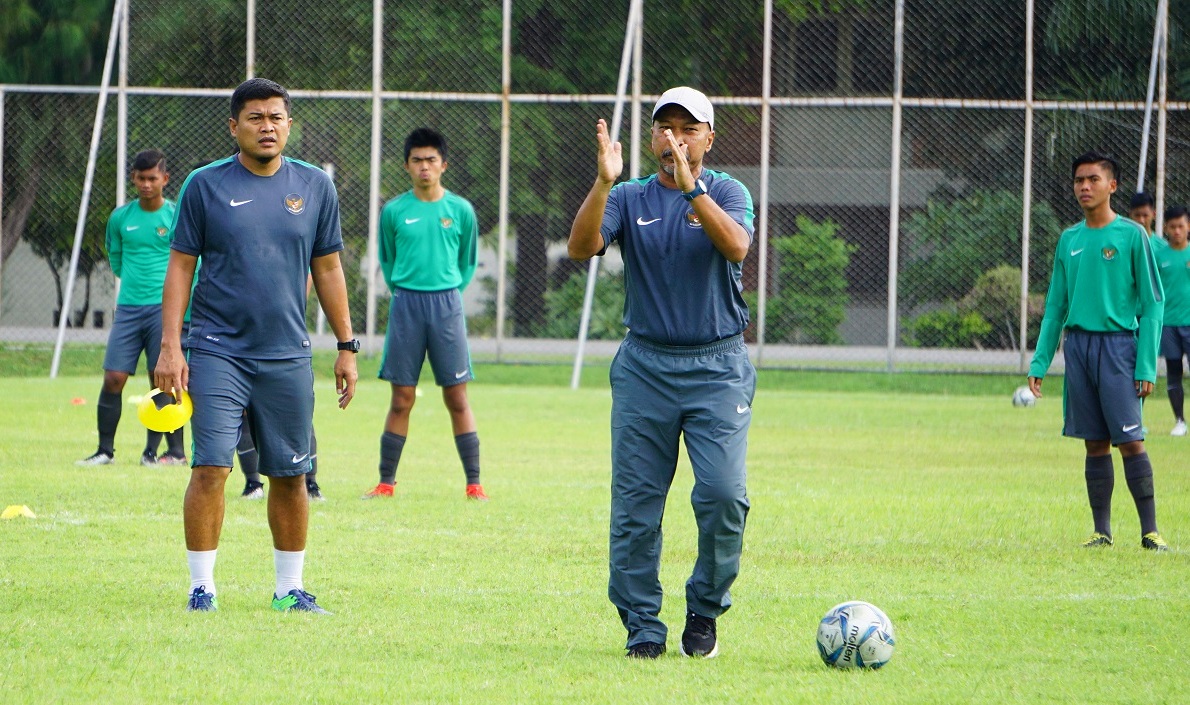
(564, 308)
(950, 244)
(996, 297)
(811, 293)
(948, 328)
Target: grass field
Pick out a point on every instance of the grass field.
(957, 514)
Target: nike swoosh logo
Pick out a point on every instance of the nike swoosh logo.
(1133, 427)
(130, 228)
(411, 221)
(741, 408)
(299, 458)
(460, 375)
(1164, 265)
(233, 202)
(1074, 253)
(642, 221)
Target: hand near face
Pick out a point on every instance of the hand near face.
(610, 160)
(682, 173)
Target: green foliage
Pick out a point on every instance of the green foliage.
(564, 308)
(996, 298)
(949, 244)
(49, 41)
(948, 328)
(811, 298)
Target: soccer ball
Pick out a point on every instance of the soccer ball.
(855, 635)
(1023, 397)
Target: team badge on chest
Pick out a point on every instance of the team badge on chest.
(295, 204)
(692, 220)
(162, 231)
(1109, 253)
(447, 222)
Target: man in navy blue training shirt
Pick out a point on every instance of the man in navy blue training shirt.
(260, 222)
(683, 369)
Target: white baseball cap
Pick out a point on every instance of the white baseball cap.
(694, 101)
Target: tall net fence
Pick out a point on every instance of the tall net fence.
(826, 286)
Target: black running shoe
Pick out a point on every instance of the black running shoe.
(1097, 539)
(646, 650)
(1152, 541)
(698, 639)
(253, 490)
(314, 492)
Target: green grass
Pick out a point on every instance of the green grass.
(957, 514)
(34, 360)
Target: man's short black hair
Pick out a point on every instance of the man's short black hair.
(149, 158)
(1175, 212)
(1142, 199)
(425, 137)
(1093, 157)
(256, 89)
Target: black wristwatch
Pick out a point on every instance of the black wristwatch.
(350, 346)
(699, 189)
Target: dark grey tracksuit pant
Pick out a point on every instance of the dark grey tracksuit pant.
(660, 393)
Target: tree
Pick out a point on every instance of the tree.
(43, 41)
(951, 243)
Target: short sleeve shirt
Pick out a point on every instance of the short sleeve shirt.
(137, 243)
(256, 236)
(428, 245)
(679, 289)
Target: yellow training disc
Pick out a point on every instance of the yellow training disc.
(159, 412)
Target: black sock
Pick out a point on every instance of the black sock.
(246, 450)
(1101, 480)
(1138, 471)
(391, 446)
(152, 442)
(468, 447)
(176, 442)
(313, 474)
(1174, 386)
(108, 414)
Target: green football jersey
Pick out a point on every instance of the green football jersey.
(1174, 267)
(428, 245)
(1104, 280)
(138, 250)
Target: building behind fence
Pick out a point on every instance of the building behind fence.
(826, 285)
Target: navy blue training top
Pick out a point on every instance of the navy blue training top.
(680, 290)
(256, 236)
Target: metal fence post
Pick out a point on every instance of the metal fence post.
(894, 197)
(1027, 197)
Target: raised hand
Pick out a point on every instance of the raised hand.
(611, 161)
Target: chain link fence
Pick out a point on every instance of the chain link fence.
(826, 296)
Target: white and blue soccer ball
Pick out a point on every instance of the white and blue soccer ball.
(1022, 397)
(855, 635)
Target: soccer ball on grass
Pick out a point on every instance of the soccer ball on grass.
(855, 635)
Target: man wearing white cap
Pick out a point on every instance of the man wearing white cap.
(682, 370)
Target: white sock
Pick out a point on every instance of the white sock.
(202, 570)
(289, 570)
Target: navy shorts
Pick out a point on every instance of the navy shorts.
(279, 398)
(134, 329)
(1175, 342)
(421, 323)
(1099, 395)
